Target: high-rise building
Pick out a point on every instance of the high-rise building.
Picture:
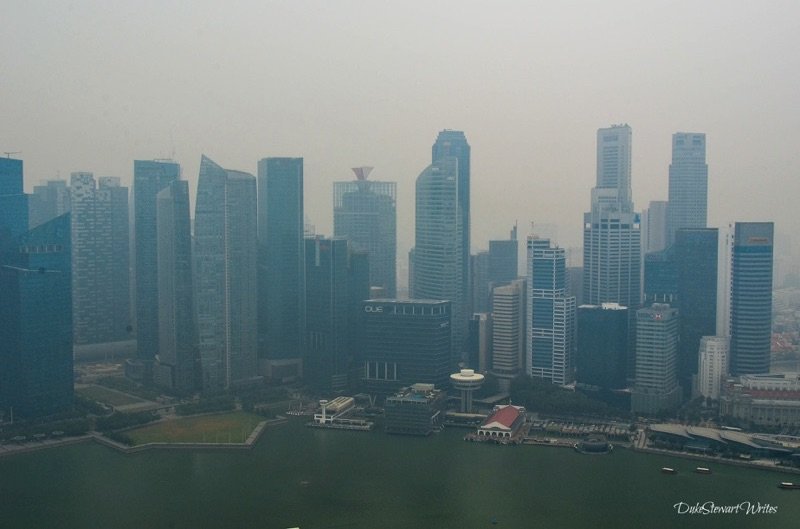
(479, 347)
(696, 266)
(611, 231)
(504, 259)
(508, 332)
(453, 144)
(48, 201)
(654, 227)
(551, 314)
(688, 184)
(281, 276)
(751, 298)
(480, 288)
(404, 341)
(438, 256)
(335, 288)
(364, 212)
(712, 366)
(13, 202)
(36, 376)
(602, 352)
(100, 260)
(177, 362)
(149, 177)
(225, 257)
(656, 386)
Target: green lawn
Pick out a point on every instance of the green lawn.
(108, 396)
(234, 427)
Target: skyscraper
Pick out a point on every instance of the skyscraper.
(334, 292)
(100, 260)
(688, 184)
(602, 355)
(364, 212)
(225, 257)
(438, 256)
(453, 144)
(48, 201)
(751, 298)
(508, 332)
(712, 366)
(177, 363)
(13, 202)
(36, 376)
(281, 289)
(611, 230)
(551, 314)
(654, 227)
(149, 177)
(656, 386)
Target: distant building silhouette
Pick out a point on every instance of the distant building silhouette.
(688, 184)
(48, 201)
(365, 213)
(656, 386)
(602, 352)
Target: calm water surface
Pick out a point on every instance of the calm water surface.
(312, 478)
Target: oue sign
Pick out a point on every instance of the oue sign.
(370, 308)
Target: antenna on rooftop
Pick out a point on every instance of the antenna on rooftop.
(362, 173)
(9, 153)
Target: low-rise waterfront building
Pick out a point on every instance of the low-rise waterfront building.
(504, 422)
(764, 400)
(415, 410)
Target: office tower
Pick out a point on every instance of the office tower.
(696, 266)
(751, 298)
(479, 343)
(654, 227)
(713, 366)
(438, 256)
(602, 352)
(36, 314)
(100, 260)
(225, 257)
(281, 276)
(177, 362)
(364, 212)
(725, 260)
(611, 232)
(575, 283)
(48, 201)
(508, 332)
(688, 184)
(403, 343)
(656, 386)
(334, 292)
(661, 277)
(149, 177)
(453, 144)
(504, 259)
(480, 289)
(13, 202)
(551, 314)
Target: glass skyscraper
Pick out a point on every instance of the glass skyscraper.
(364, 212)
(225, 260)
(751, 298)
(149, 177)
(551, 313)
(438, 256)
(281, 264)
(688, 184)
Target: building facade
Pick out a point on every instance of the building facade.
(225, 271)
(48, 201)
(712, 369)
(403, 343)
(551, 314)
(751, 298)
(602, 352)
(149, 177)
(365, 213)
(508, 332)
(656, 386)
(281, 276)
(178, 362)
(688, 184)
(438, 253)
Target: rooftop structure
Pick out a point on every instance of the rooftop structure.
(466, 381)
(504, 422)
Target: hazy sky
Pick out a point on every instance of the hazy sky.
(93, 85)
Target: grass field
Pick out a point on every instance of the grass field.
(108, 396)
(234, 427)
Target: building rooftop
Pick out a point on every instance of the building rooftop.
(503, 417)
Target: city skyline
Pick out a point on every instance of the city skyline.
(530, 126)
